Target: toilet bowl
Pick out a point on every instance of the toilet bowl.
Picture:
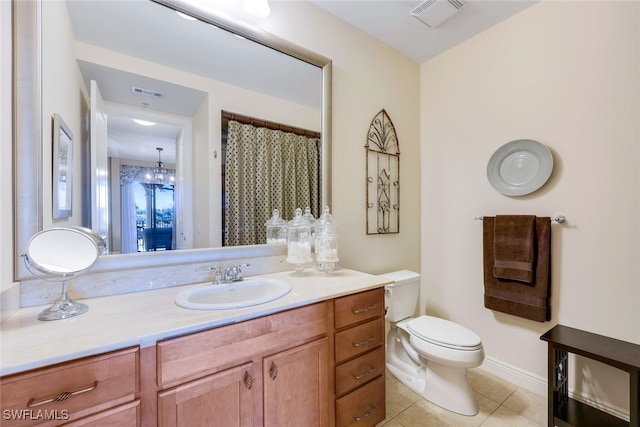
(428, 354)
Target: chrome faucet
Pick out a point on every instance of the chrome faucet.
(231, 274)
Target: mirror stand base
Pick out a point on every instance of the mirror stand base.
(64, 308)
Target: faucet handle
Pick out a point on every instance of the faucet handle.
(217, 275)
(228, 273)
(239, 270)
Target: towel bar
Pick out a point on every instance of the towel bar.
(559, 219)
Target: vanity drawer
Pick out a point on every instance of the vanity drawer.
(71, 390)
(359, 339)
(364, 407)
(352, 309)
(357, 372)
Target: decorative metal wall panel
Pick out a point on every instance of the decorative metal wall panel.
(383, 176)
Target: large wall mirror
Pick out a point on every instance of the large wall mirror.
(100, 66)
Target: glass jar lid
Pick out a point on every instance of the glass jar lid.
(325, 222)
(275, 220)
(298, 220)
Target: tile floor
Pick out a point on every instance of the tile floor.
(501, 403)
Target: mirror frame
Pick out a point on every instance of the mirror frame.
(27, 129)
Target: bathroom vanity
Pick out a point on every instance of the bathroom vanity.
(315, 356)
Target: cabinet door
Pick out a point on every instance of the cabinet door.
(296, 388)
(223, 399)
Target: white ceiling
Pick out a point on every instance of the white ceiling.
(390, 22)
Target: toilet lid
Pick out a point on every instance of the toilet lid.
(443, 332)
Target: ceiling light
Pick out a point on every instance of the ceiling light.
(160, 175)
(144, 122)
(259, 8)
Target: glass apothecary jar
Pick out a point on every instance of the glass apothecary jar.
(299, 242)
(276, 228)
(326, 242)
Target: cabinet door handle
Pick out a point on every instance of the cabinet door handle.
(273, 371)
(248, 380)
(366, 414)
(365, 374)
(363, 310)
(365, 342)
(61, 396)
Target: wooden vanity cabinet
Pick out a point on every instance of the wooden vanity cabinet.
(100, 390)
(269, 371)
(360, 359)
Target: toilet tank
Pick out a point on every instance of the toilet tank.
(401, 297)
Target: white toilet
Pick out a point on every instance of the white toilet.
(428, 354)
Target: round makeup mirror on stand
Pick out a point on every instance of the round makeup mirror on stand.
(60, 254)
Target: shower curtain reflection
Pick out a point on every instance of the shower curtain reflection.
(266, 169)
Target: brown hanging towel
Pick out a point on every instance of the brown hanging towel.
(531, 301)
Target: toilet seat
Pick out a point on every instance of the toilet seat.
(444, 333)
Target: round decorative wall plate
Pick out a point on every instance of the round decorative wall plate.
(520, 167)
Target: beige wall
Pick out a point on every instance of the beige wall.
(565, 74)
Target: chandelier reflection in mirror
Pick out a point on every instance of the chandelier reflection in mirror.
(383, 176)
(160, 175)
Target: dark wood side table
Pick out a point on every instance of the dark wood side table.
(564, 411)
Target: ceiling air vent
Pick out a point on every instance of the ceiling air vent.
(147, 92)
(434, 12)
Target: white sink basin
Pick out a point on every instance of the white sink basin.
(233, 295)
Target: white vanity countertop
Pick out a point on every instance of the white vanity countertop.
(143, 318)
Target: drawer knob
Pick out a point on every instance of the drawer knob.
(61, 396)
(363, 310)
(365, 374)
(248, 380)
(366, 414)
(365, 342)
(273, 371)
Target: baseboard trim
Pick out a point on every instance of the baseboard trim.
(538, 385)
(515, 375)
(616, 412)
